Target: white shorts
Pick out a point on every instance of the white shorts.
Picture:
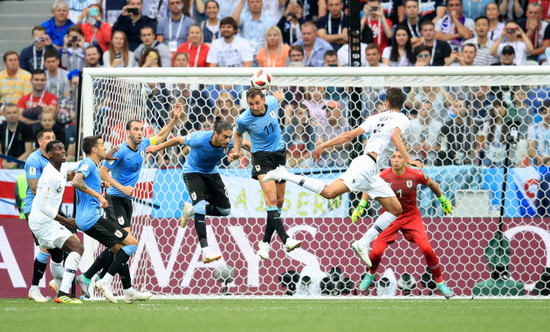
(49, 233)
(363, 175)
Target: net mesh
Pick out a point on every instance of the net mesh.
(459, 126)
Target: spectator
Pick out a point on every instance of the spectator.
(226, 108)
(539, 137)
(58, 25)
(148, 41)
(181, 59)
(32, 104)
(77, 7)
(466, 58)
(32, 57)
(457, 137)
(95, 31)
(438, 97)
(400, 54)
(131, 21)
(333, 27)
(475, 8)
(336, 124)
(522, 48)
(454, 27)
(119, 54)
(507, 56)
(159, 9)
(481, 98)
(47, 120)
(430, 10)
(315, 102)
(537, 30)
(495, 25)
(299, 137)
(296, 56)
(150, 58)
(412, 23)
(227, 7)
(196, 49)
(231, 50)
(14, 82)
(492, 137)
(380, 26)
(274, 7)
(91, 55)
(331, 59)
(343, 55)
(372, 55)
(58, 84)
(521, 109)
(16, 138)
(211, 26)
(394, 10)
(72, 54)
(313, 9)
(158, 100)
(512, 10)
(67, 105)
(314, 47)
(440, 50)
(482, 43)
(253, 23)
(421, 135)
(423, 56)
(291, 22)
(173, 30)
(273, 53)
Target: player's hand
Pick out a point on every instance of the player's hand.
(279, 94)
(318, 152)
(103, 202)
(110, 153)
(70, 175)
(416, 164)
(128, 191)
(105, 184)
(359, 210)
(152, 149)
(231, 157)
(446, 205)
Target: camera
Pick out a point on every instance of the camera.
(93, 12)
(39, 39)
(374, 8)
(133, 11)
(74, 39)
(510, 30)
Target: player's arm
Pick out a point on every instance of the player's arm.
(445, 204)
(279, 94)
(78, 183)
(173, 142)
(348, 136)
(247, 145)
(106, 176)
(400, 146)
(163, 134)
(33, 184)
(66, 221)
(237, 143)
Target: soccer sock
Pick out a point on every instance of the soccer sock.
(269, 229)
(376, 255)
(309, 183)
(200, 228)
(57, 271)
(98, 264)
(40, 263)
(71, 265)
(431, 258)
(380, 225)
(121, 257)
(107, 264)
(125, 277)
(275, 220)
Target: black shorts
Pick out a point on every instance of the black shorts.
(72, 230)
(108, 233)
(119, 210)
(208, 187)
(263, 162)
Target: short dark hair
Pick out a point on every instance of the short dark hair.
(38, 28)
(426, 22)
(545, 105)
(51, 53)
(253, 92)
(422, 48)
(90, 47)
(77, 29)
(49, 146)
(330, 53)
(37, 72)
(129, 123)
(8, 53)
(221, 125)
(372, 46)
(297, 48)
(229, 21)
(469, 45)
(90, 142)
(396, 98)
(10, 105)
(146, 27)
(482, 17)
(41, 133)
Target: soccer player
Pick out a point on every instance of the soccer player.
(125, 174)
(403, 181)
(44, 219)
(386, 129)
(204, 183)
(261, 121)
(88, 183)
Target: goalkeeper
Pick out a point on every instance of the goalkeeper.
(403, 181)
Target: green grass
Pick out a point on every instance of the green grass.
(279, 315)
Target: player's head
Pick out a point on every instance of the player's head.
(397, 161)
(55, 150)
(395, 98)
(223, 131)
(134, 131)
(93, 146)
(256, 101)
(43, 137)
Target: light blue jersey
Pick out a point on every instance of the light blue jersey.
(264, 130)
(88, 209)
(204, 157)
(126, 169)
(33, 169)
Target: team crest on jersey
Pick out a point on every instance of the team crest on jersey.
(121, 220)
(194, 196)
(272, 114)
(142, 154)
(118, 234)
(409, 183)
(32, 171)
(258, 167)
(225, 150)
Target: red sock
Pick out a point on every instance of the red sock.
(431, 258)
(378, 248)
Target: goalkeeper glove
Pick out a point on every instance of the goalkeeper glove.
(445, 205)
(359, 210)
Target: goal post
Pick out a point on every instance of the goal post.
(461, 117)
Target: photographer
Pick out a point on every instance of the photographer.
(291, 22)
(131, 21)
(522, 47)
(72, 54)
(32, 57)
(95, 32)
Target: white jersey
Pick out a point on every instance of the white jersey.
(381, 126)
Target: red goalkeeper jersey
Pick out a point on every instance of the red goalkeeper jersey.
(404, 186)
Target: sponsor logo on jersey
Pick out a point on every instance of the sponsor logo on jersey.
(58, 190)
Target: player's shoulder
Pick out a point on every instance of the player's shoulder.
(417, 173)
(386, 172)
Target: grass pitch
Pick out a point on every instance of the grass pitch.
(281, 315)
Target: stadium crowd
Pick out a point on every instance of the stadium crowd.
(449, 126)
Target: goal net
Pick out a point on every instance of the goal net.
(462, 121)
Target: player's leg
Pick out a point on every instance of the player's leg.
(39, 268)
(56, 268)
(72, 245)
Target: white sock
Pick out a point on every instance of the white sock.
(33, 288)
(71, 265)
(108, 278)
(129, 291)
(57, 271)
(379, 225)
(309, 183)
